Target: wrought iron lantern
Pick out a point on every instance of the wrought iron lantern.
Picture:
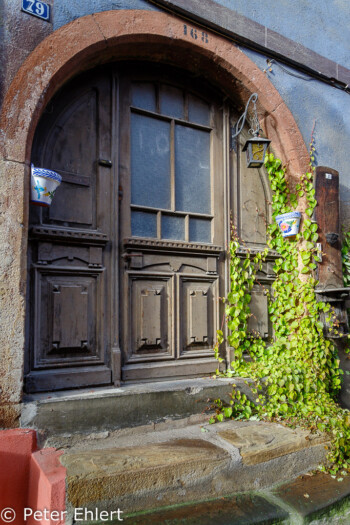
(256, 147)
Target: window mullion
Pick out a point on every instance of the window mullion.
(187, 228)
(159, 225)
(172, 164)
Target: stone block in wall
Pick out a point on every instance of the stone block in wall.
(13, 236)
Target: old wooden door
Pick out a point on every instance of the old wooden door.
(125, 268)
(172, 226)
(69, 302)
(128, 265)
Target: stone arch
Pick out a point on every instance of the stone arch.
(78, 46)
(112, 35)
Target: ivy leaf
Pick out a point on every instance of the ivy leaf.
(228, 412)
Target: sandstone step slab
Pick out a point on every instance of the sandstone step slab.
(241, 509)
(136, 471)
(257, 444)
(318, 499)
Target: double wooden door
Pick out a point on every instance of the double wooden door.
(127, 265)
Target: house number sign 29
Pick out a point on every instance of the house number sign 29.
(35, 8)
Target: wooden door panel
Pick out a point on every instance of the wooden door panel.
(258, 323)
(80, 212)
(68, 317)
(150, 316)
(70, 332)
(71, 146)
(254, 197)
(72, 151)
(69, 254)
(198, 310)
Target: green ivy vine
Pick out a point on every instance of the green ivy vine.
(346, 258)
(296, 377)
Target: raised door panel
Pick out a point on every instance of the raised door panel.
(258, 323)
(150, 317)
(198, 310)
(68, 327)
(329, 271)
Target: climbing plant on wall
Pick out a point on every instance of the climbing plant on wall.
(346, 258)
(296, 377)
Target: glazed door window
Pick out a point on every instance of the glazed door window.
(170, 154)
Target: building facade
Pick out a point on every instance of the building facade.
(133, 103)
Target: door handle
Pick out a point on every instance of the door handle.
(105, 162)
(135, 260)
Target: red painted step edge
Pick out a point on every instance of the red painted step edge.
(31, 481)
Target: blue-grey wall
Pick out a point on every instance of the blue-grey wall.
(313, 101)
(67, 10)
(321, 26)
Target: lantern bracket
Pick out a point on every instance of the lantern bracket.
(255, 129)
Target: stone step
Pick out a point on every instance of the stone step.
(138, 471)
(318, 499)
(109, 409)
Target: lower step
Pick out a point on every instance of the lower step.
(318, 499)
(140, 472)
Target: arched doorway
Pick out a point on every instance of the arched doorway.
(128, 264)
(80, 45)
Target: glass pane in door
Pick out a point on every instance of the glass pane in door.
(150, 161)
(192, 169)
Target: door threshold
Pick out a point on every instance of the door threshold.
(126, 388)
(108, 408)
